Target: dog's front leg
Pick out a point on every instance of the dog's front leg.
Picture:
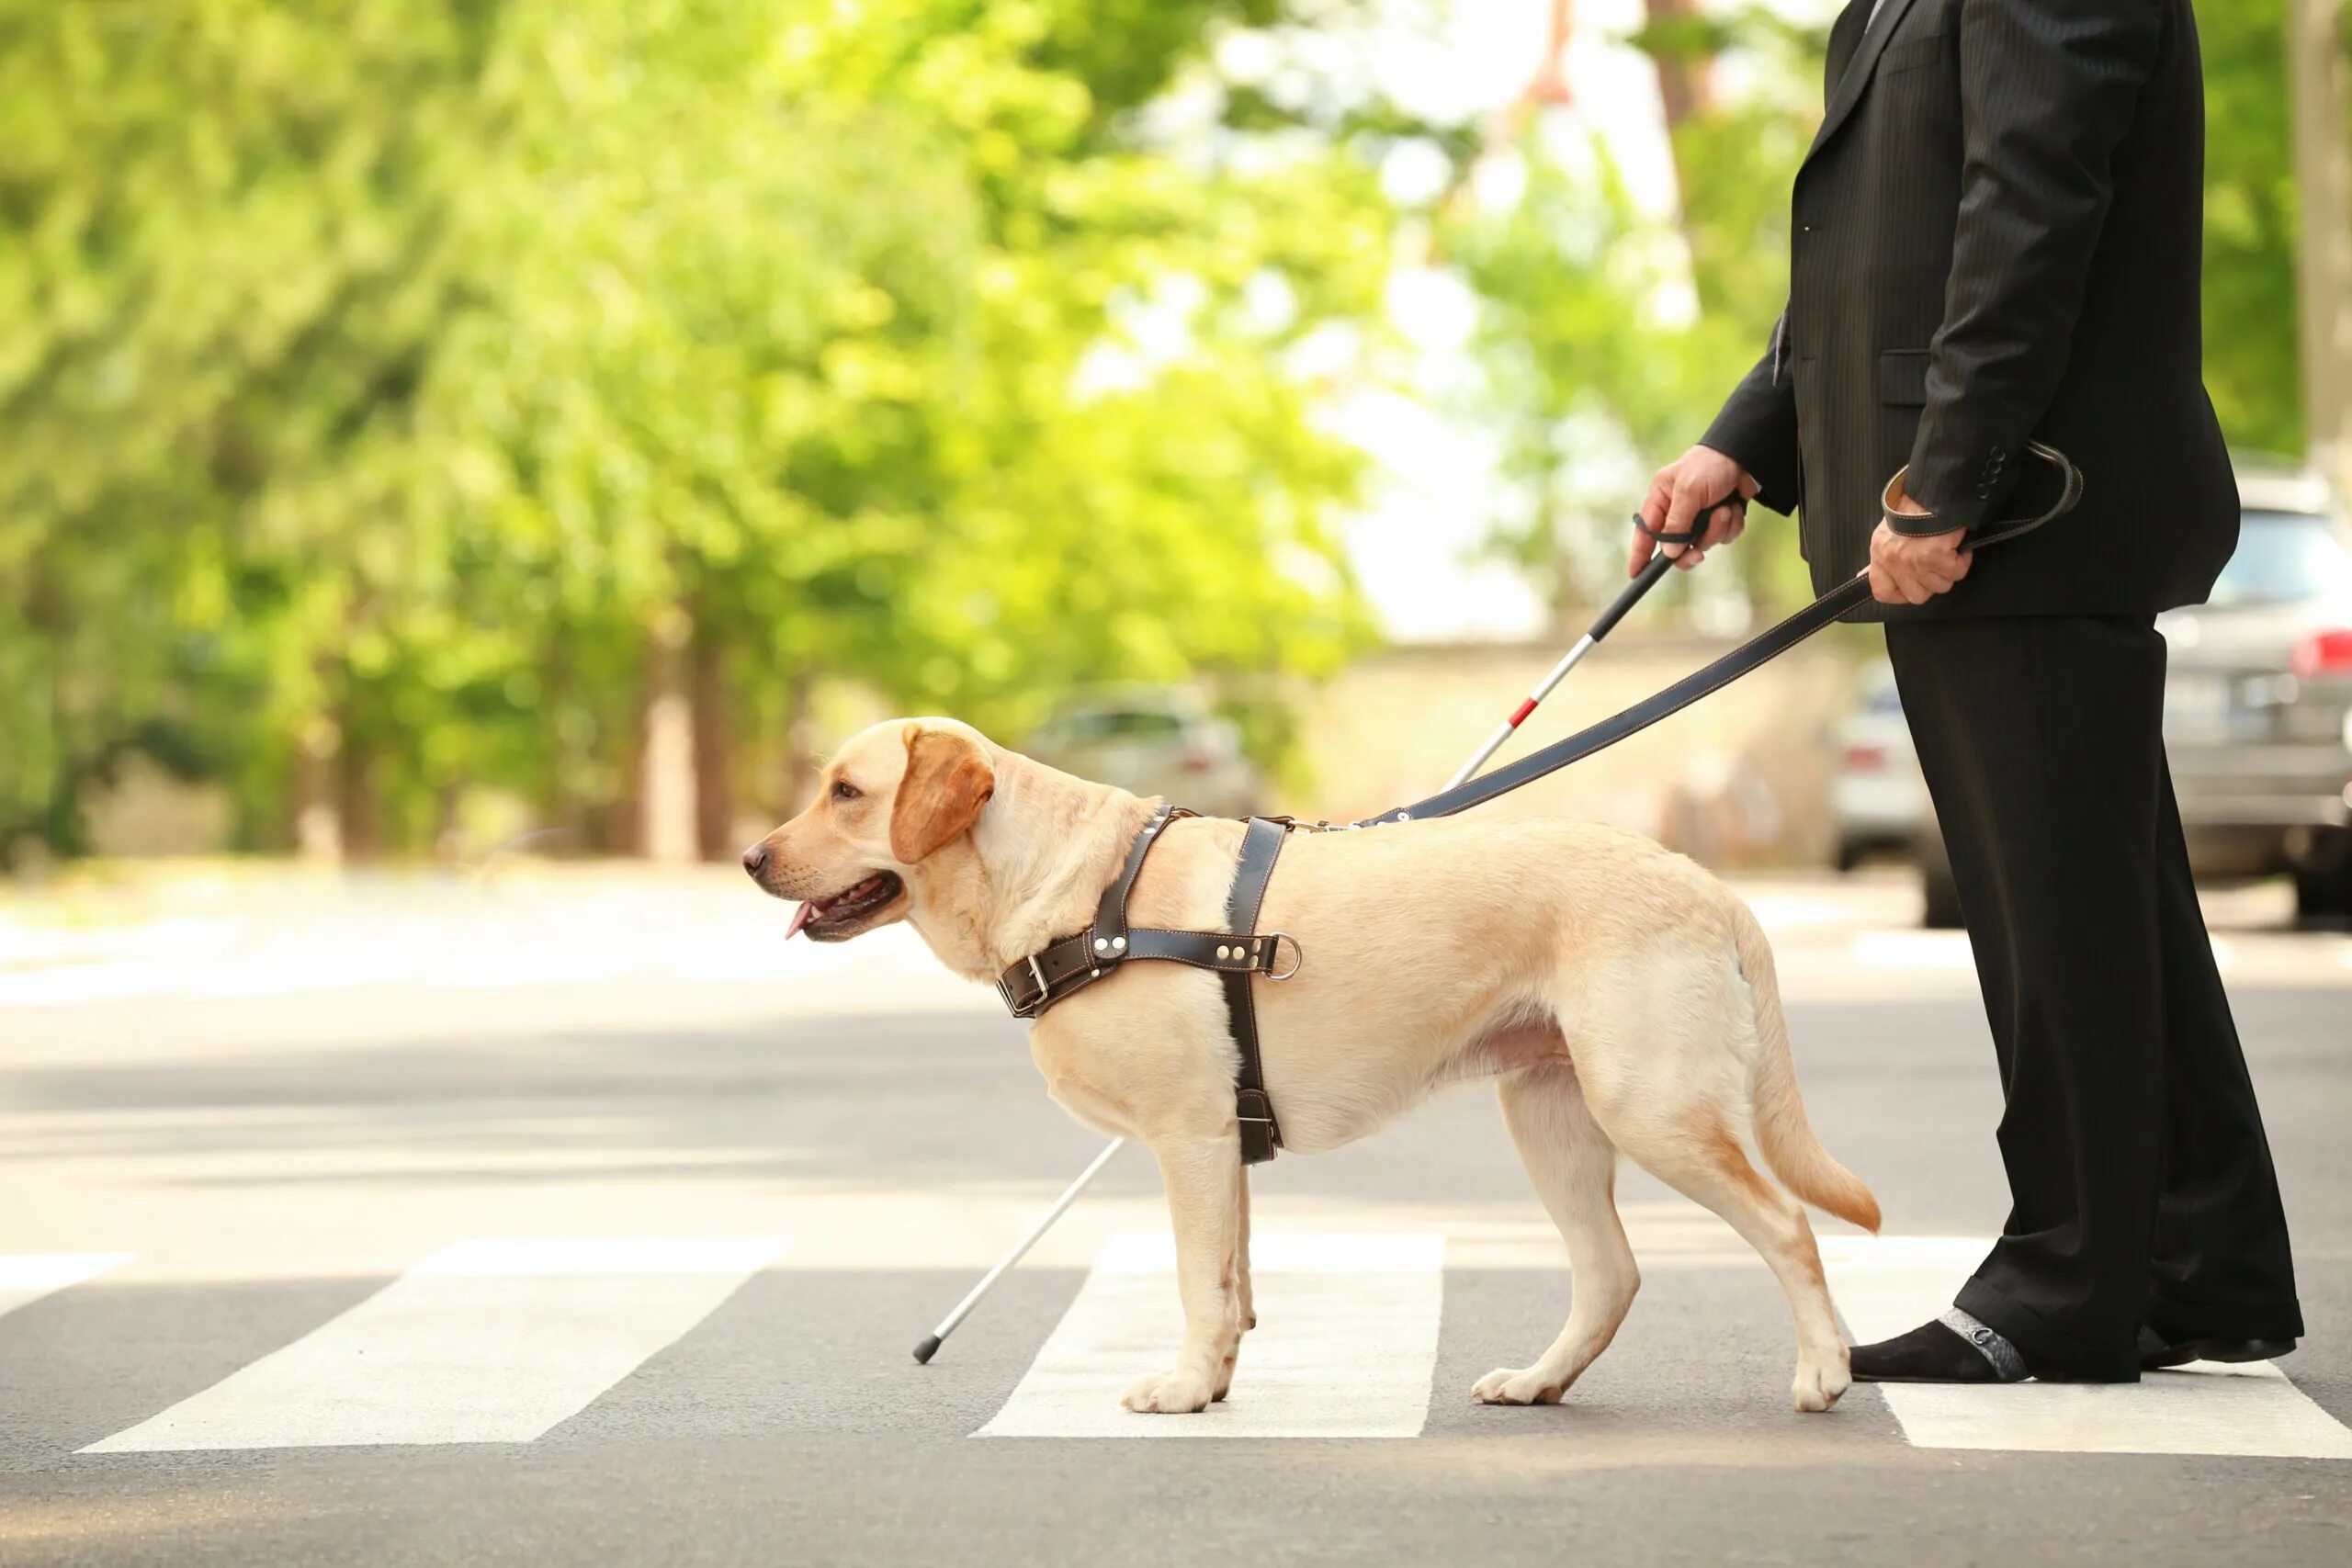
(1200, 1176)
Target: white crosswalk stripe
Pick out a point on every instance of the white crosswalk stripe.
(25, 1277)
(1347, 1340)
(492, 1341)
(1886, 1286)
(501, 1341)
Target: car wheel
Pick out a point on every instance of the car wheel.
(2323, 894)
(1942, 899)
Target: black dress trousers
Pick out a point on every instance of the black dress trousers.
(2141, 1178)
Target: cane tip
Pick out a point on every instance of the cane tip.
(927, 1349)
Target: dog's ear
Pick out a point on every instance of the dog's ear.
(947, 781)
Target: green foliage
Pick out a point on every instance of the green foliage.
(2252, 359)
(393, 386)
(1570, 276)
(387, 378)
(225, 260)
(1597, 318)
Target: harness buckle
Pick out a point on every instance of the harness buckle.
(1013, 1004)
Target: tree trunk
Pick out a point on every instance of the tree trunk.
(799, 742)
(356, 806)
(665, 768)
(713, 790)
(2320, 82)
(61, 829)
(1686, 82)
(318, 830)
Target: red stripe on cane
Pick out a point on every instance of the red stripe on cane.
(1525, 709)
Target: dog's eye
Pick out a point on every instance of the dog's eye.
(845, 790)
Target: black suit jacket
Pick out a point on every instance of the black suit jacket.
(1996, 237)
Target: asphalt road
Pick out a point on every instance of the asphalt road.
(589, 1225)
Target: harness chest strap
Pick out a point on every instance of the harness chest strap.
(1262, 844)
(1063, 968)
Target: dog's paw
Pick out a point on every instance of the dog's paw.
(1169, 1394)
(1522, 1385)
(1819, 1384)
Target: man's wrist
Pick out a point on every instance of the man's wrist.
(1742, 481)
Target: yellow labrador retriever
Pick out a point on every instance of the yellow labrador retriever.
(1622, 998)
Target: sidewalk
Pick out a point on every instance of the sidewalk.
(262, 930)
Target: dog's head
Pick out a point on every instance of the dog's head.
(896, 796)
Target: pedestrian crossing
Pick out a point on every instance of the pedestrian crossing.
(1885, 1286)
(504, 1340)
(26, 1277)
(488, 1341)
(1345, 1348)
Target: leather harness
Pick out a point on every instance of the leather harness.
(1070, 964)
(1065, 967)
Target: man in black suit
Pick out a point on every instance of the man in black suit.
(1997, 242)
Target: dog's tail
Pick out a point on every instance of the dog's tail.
(1782, 1130)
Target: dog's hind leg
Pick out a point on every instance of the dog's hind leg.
(1689, 1145)
(1241, 1253)
(1574, 1168)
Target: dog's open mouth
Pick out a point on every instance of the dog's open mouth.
(842, 914)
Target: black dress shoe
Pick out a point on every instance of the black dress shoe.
(1955, 1347)
(2157, 1353)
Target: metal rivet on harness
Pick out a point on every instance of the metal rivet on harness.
(1101, 945)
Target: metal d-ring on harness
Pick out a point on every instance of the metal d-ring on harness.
(1071, 965)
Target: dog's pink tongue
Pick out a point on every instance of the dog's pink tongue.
(799, 919)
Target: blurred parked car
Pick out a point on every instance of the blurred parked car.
(1153, 740)
(1877, 799)
(2257, 715)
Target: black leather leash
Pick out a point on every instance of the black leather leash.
(1744, 659)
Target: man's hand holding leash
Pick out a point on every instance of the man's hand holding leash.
(1909, 567)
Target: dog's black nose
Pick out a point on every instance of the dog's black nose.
(755, 859)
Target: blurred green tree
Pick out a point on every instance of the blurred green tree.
(2251, 354)
(225, 262)
(1596, 318)
(418, 395)
(1609, 337)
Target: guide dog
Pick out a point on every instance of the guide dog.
(1620, 996)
